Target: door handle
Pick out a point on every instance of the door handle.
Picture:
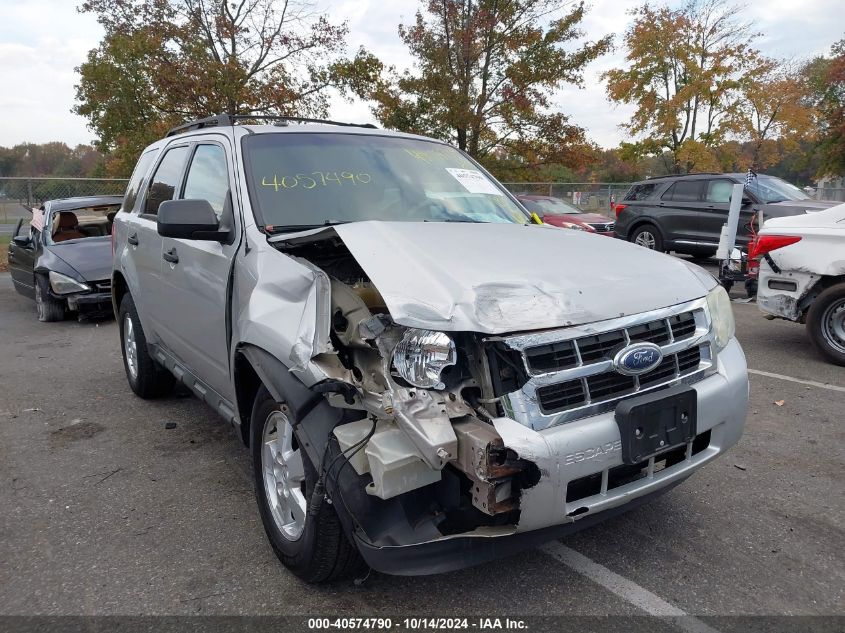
(133, 239)
(171, 256)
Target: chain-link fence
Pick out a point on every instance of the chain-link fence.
(589, 196)
(17, 194)
(830, 193)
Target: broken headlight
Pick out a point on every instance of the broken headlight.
(721, 316)
(62, 284)
(422, 355)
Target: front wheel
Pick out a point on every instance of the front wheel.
(648, 236)
(826, 323)
(311, 543)
(49, 309)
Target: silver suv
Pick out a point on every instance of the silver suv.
(426, 378)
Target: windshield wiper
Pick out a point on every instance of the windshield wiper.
(276, 229)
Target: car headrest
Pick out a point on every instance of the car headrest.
(67, 220)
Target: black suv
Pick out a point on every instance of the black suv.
(685, 214)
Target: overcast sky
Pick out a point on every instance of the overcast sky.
(42, 41)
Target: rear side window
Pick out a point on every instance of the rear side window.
(684, 191)
(719, 191)
(166, 179)
(208, 177)
(640, 192)
(134, 187)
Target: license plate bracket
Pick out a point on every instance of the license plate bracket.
(656, 422)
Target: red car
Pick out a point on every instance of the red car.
(556, 212)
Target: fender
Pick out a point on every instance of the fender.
(313, 417)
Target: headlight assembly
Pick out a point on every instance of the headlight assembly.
(62, 284)
(721, 316)
(422, 355)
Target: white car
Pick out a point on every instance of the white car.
(802, 275)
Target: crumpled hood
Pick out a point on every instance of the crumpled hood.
(499, 278)
(90, 257)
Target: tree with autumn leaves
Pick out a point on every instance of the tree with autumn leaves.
(485, 72)
(700, 88)
(162, 62)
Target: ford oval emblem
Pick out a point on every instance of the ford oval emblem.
(637, 359)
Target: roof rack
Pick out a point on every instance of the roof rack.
(696, 173)
(219, 120)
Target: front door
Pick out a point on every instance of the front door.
(22, 259)
(714, 215)
(195, 274)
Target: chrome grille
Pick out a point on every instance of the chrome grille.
(611, 385)
(570, 372)
(603, 227)
(559, 355)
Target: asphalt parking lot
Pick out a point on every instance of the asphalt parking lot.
(107, 511)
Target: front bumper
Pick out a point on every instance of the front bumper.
(570, 452)
(91, 304)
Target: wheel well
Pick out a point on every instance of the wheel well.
(118, 289)
(247, 383)
(642, 222)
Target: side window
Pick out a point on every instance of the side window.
(134, 186)
(208, 177)
(719, 191)
(166, 179)
(684, 191)
(640, 192)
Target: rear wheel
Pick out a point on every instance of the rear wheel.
(147, 378)
(826, 323)
(648, 236)
(49, 309)
(311, 544)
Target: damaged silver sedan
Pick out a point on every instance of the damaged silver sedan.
(426, 378)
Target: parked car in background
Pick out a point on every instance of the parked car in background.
(62, 257)
(556, 212)
(686, 213)
(802, 275)
(426, 378)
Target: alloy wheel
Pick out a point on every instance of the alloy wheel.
(130, 347)
(646, 239)
(284, 475)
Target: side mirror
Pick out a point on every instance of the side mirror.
(189, 220)
(24, 241)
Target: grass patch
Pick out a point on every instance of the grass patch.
(4, 252)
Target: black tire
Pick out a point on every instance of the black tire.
(648, 236)
(322, 552)
(826, 323)
(49, 309)
(751, 288)
(149, 380)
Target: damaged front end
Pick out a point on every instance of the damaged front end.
(459, 447)
(425, 441)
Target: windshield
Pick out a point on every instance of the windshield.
(549, 206)
(771, 189)
(309, 179)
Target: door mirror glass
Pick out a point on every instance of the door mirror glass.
(22, 240)
(188, 219)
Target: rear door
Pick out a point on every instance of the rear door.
(194, 289)
(144, 241)
(681, 206)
